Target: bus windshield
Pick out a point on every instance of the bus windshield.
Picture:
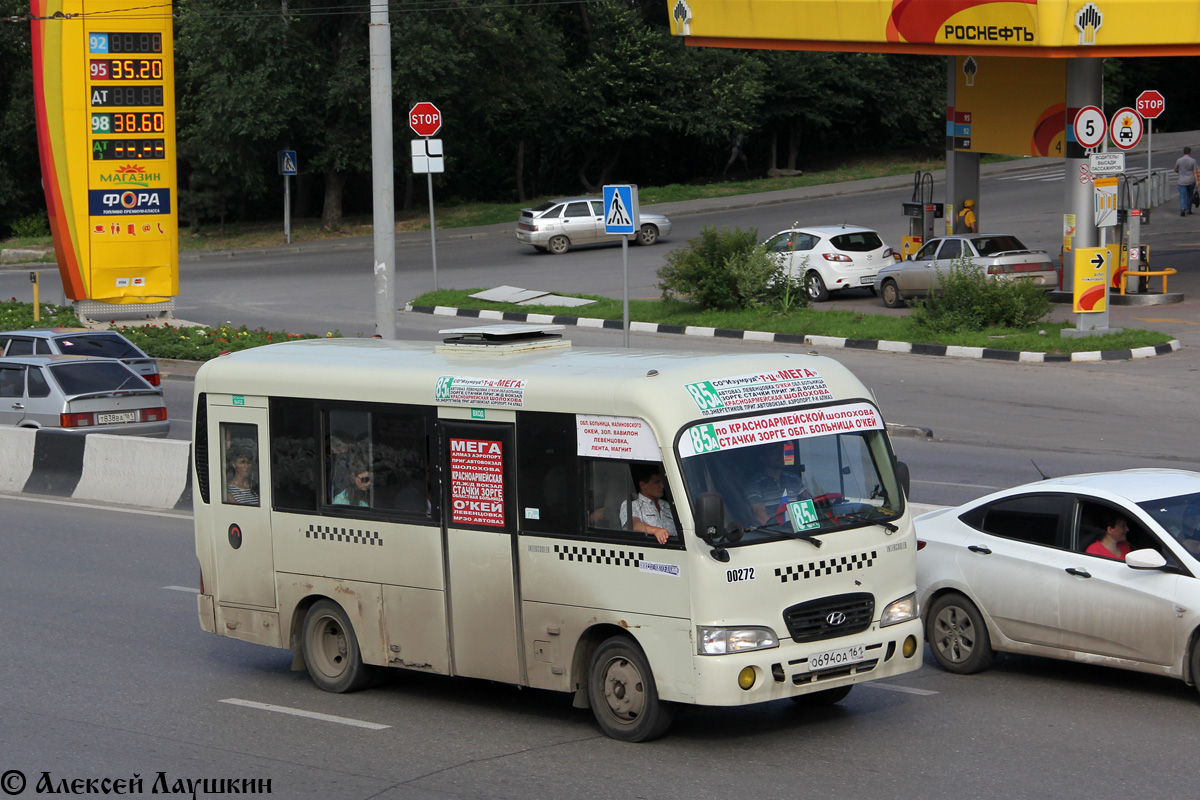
(795, 473)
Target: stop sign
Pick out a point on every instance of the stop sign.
(425, 119)
(1150, 104)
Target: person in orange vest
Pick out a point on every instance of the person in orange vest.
(967, 217)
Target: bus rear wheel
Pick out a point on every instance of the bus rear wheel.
(623, 695)
(331, 650)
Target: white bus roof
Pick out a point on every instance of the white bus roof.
(644, 383)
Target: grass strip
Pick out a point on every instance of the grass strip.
(1042, 338)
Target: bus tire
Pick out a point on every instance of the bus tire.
(826, 697)
(331, 650)
(623, 695)
(958, 636)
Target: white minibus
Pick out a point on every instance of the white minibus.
(639, 528)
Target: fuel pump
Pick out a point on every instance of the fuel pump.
(1133, 255)
(921, 212)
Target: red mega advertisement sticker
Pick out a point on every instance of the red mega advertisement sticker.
(476, 482)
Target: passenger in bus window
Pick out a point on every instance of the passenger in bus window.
(651, 511)
(357, 493)
(777, 485)
(242, 485)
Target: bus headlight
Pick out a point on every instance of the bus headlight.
(718, 641)
(898, 611)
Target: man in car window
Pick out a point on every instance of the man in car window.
(770, 492)
(651, 511)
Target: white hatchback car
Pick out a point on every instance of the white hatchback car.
(1038, 569)
(832, 257)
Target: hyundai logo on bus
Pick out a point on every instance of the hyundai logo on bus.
(835, 618)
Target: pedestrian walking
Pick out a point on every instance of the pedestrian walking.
(1188, 178)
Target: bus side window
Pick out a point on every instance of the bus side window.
(609, 486)
(240, 458)
(294, 461)
(548, 487)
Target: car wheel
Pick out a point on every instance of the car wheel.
(331, 650)
(623, 695)
(816, 288)
(958, 635)
(1195, 663)
(648, 235)
(559, 244)
(891, 295)
(823, 698)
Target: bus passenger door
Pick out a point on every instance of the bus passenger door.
(238, 455)
(480, 528)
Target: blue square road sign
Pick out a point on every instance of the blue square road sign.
(620, 209)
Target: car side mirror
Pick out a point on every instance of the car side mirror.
(710, 517)
(1145, 559)
(903, 476)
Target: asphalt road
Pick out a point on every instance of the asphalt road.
(108, 675)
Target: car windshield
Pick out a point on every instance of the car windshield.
(107, 345)
(795, 473)
(991, 245)
(857, 242)
(1180, 517)
(96, 376)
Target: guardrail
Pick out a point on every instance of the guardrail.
(1148, 191)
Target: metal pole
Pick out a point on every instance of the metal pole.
(625, 287)
(382, 172)
(287, 208)
(432, 231)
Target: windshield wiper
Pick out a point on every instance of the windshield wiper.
(887, 526)
(804, 537)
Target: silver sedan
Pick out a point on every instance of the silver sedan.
(1000, 256)
(559, 225)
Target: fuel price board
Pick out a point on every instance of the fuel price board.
(105, 101)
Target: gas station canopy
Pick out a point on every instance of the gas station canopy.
(1028, 28)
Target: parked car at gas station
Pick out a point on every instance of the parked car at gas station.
(1000, 255)
(830, 258)
(559, 225)
(80, 342)
(80, 393)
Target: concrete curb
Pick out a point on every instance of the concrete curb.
(948, 351)
(127, 470)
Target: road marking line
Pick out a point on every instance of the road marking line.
(893, 688)
(1166, 319)
(296, 712)
(77, 504)
(966, 485)
(182, 589)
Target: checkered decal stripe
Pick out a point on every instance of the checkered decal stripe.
(348, 535)
(817, 569)
(599, 555)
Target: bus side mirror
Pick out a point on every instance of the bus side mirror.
(903, 477)
(710, 517)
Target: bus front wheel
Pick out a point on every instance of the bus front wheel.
(623, 695)
(331, 650)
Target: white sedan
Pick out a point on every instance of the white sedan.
(1100, 568)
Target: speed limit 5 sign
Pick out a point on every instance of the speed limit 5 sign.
(1090, 127)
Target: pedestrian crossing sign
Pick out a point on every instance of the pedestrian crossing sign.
(620, 209)
(287, 162)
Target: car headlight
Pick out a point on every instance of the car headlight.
(718, 641)
(898, 611)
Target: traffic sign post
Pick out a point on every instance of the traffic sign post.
(425, 120)
(621, 216)
(287, 168)
(1150, 104)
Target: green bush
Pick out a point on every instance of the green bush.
(15, 315)
(727, 270)
(965, 300)
(33, 226)
(201, 344)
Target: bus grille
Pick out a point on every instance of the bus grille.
(830, 617)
